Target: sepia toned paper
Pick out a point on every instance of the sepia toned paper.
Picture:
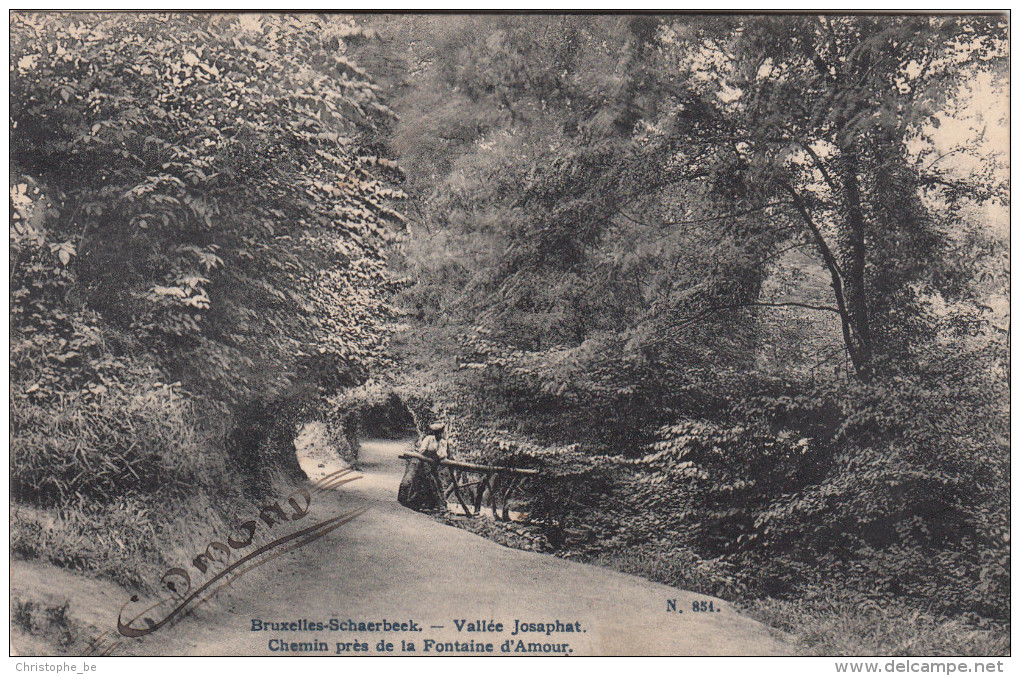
(509, 335)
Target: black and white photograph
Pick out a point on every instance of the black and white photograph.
(510, 333)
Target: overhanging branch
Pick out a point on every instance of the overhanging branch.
(708, 219)
(834, 272)
(735, 306)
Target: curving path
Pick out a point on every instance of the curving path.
(396, 564)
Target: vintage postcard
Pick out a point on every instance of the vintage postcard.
(510, 334)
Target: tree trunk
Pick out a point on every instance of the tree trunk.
(856, 289)
(836, 274)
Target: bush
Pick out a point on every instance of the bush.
(344, 414)
(131, 540)
(88, 424)
(102, 445)
(833, 621)
(896, 486)
(208, 186)
(377, 408)
(198, 219)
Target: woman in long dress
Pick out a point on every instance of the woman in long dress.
(419, 488)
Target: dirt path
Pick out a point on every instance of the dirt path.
(395, 564)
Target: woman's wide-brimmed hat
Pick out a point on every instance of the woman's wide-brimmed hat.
(437, 426)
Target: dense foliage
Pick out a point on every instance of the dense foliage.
(736, 283)
(727, 281)
(199, 210)
(207, 184)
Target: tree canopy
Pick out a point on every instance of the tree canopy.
(707, 142)
(736, 264)
(209, 187)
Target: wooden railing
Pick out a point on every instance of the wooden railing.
(468, 483)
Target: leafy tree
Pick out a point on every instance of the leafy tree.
(505, 152)
(620, 221)
(209, 188)
(824, 125)
(728, 143)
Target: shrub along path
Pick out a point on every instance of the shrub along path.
(395, 564)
